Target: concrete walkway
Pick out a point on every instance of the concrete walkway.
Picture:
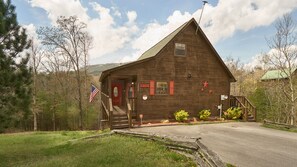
(241, 144)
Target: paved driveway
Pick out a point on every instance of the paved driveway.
(241, 144)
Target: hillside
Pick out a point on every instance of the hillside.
(97, 69)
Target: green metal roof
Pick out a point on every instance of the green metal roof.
(275, 74)
(153, 51)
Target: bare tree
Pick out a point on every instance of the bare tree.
(69, 38)
(36, 56)
(283, 57)
(237, 70)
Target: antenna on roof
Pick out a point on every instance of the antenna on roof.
(204, 2)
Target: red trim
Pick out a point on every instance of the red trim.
(171, 86)
(152, 87)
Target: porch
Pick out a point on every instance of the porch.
(118, 101)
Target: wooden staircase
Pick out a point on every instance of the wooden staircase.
(249, 110)
(119, 119)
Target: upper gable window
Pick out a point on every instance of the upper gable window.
(180, 49)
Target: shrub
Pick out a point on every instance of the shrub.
(233, 113)
(181, 115)
(204, 114)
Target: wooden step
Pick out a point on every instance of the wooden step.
(121, 126)
(118, 111)
(120, 116)
(120, 119)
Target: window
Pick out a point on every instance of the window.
(180, 49)
(162, 88)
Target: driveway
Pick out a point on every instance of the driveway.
(239, 143)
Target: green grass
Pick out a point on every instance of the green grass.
(279, 127)
(57, 149)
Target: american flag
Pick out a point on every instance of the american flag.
(94, 91)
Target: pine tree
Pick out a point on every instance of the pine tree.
(15, 76)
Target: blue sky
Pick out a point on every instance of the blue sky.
(123, 29)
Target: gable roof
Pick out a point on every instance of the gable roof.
(154, 50)
(161, 44)
(276, 74)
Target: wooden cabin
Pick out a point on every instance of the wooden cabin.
(182, 71)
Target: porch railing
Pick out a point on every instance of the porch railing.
(245, 105)
(107, 107)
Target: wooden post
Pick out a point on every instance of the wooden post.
(110, 113)
(245, 114)
(255, 114)
(129, 115)
(99, 125)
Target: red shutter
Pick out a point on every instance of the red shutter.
(171, 87)
(152, 87)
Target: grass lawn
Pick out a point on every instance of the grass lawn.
(55, 149)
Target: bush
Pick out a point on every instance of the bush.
(204, 114)
(233, 113)
(181, 115)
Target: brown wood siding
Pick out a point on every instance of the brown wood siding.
(200, 62)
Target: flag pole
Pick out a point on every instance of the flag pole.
(204, 2)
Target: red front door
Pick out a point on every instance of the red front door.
(117, 89)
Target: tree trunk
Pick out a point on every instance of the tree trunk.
(292, 115)
(80, 122)
(54, 121)
(35, 121)
(34, 96)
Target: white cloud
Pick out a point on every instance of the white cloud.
(31, 32)
(154, 32)
(132, 15)
(222, 21)
(56, 8)
(274, 59)
(116, 12)
(108, 36)
(218, 22)
(256, 61)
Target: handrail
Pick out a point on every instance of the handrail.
(110, 112)
(243, 101)
(249, 102)
(239, 102)
(105, 94)
(105, 109)
(110, 105)
(106, 102)
(245, 113)
(246, 100)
